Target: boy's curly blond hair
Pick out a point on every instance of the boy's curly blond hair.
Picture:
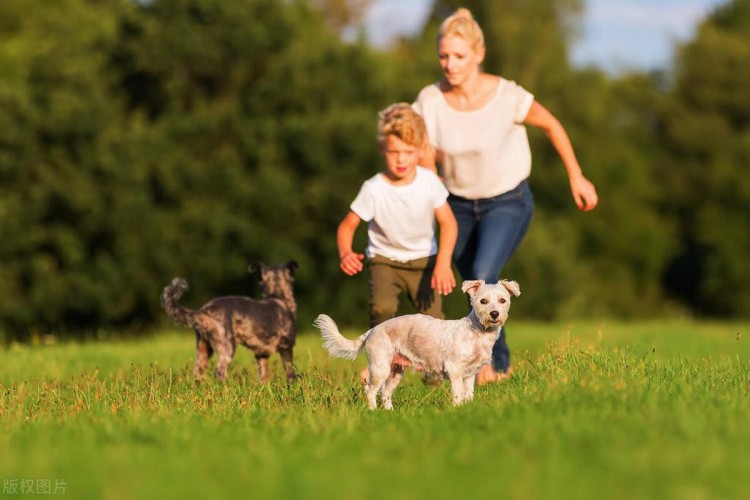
(401, 120)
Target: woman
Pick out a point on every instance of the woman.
(476, 127)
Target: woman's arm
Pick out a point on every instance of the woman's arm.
(584, 192)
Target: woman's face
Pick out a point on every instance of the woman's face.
(458, 60)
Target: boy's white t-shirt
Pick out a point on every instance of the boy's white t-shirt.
(485, 152)
(400, 219)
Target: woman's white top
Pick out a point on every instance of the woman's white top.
(485, 152)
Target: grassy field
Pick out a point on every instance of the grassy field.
(594, 410)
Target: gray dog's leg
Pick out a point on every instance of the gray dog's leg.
(203, 352)
(224, 355)
(287, 358)
(264, 374)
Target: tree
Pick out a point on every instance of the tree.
(56, 106)
(174, 137)
(707, 132)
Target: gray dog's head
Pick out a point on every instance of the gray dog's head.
(490, 303)
(276, 281)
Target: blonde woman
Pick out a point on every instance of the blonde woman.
(476, 126)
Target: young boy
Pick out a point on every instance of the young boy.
(400, 206)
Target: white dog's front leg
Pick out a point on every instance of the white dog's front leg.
(469, 387)
(457, 386)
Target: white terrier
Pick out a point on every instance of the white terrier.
(453, 348)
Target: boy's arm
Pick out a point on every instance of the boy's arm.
(350, 261)
(443, 280)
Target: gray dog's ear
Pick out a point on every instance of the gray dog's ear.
(292, 266)
(470, 287)
(254, 267)
(512, 287)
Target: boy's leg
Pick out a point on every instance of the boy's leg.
(418, 277)
(417, 274)
(385, 287)
(384, 290)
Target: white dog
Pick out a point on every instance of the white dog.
(454, 348)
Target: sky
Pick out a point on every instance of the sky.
(617, 35)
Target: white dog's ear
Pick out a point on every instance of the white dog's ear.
(471, 286)
(512, 287)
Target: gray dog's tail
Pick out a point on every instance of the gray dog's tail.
(336, 344)
(181, 316)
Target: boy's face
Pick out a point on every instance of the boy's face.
(401, 160)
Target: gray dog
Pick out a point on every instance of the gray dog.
(453, 348)
(264, 326)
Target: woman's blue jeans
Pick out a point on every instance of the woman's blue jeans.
(489, 231)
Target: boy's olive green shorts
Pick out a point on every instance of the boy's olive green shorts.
(390, 278)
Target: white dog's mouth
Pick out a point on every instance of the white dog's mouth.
(499, 321)
(487, 322)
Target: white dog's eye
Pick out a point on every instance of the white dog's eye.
(484, 301)
(503, 301)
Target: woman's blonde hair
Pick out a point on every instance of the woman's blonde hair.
(462, 24)
(401, 120)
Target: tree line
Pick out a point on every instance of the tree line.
(144, 140)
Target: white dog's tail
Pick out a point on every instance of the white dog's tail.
(336, 344)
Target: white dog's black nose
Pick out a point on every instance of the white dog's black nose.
(494, 314)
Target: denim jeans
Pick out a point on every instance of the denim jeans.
(489, 231)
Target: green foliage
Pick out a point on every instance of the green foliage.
(707, 135)
(181, 138)
(589, 408)
(56, 104)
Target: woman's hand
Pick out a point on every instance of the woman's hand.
(584, 193)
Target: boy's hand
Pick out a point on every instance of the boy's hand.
(351, 263)
(443, 281)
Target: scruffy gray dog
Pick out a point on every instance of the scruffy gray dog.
(264, 326)
(453, 348)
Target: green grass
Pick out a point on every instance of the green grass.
(594, 410)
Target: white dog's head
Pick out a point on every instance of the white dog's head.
(490, 302)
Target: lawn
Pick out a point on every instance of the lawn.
(594, 410)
